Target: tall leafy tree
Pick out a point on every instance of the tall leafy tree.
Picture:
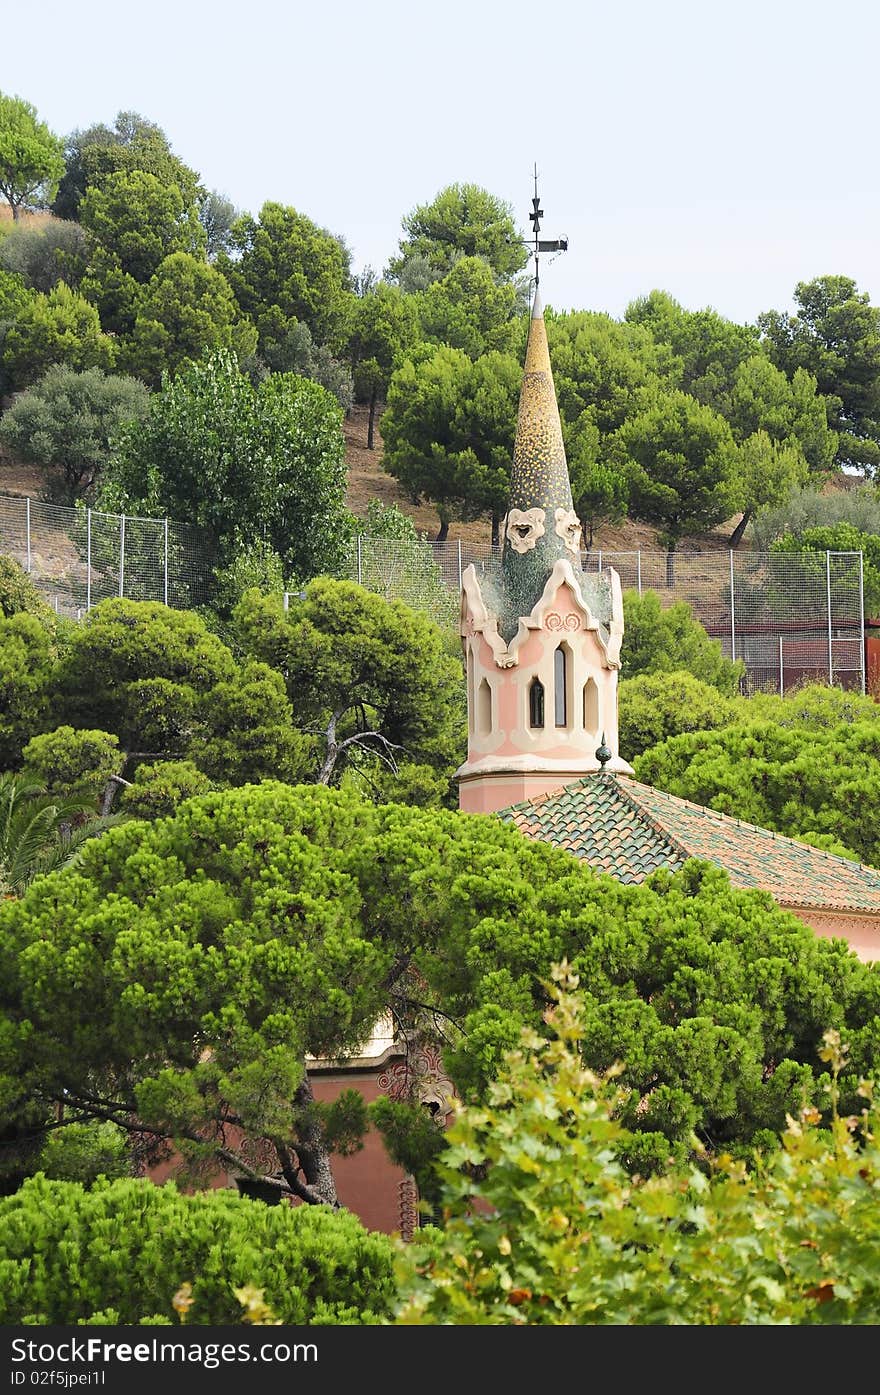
(681, 463)
(463, 220)
(705, 348)
(247, 464)
(66, 423)
(382, 328)
(187, 307)
(31, 162)
(835, 335)
(288, 269)
(44, 255)
(469, 309)
(448, 431)
(133, 142)
(139, 221)
(59, 328)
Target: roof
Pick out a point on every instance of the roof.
(630, 830)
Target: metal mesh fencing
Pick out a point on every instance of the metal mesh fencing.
(78, 557)
(789, 617)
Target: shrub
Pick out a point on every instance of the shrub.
(658, 640)
(654, 706)
(69, 762)
(67, 1254)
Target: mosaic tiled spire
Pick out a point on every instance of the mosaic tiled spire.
(541, 526)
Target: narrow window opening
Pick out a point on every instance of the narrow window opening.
(591, 707)
(471, 695)
(536, 703)
(484, 708)
(560, 686)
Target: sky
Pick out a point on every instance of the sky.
(719, 152)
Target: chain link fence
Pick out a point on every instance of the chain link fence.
(78, 557)
(790, 617)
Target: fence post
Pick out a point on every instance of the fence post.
(862, 617)
(732, 612)
(88, 559)
(639, 569)
(286, 602)
(360, 570)
(781, 671)
(828, 593)
(459, 564)
(166, 562)
(600, 559)
(121, 554)
(28, 517)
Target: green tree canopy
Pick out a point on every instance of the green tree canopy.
(186, 308)
(680, 460)
(463, 220)
(660, 639)
(31, 160)
(706, 350)
(67, 422)
(448, 431)
(288, 269)
(656, 705)
(377, 683)
(132, 143)
(245, 463)
(58, 328)
(468, 309)
(835, 335)
(46, 254)
(139, 221)
(382, 328)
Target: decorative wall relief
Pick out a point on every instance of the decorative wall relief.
(554, 621)
(524, 528)
(568, 528)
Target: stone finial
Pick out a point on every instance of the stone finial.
(603, 754)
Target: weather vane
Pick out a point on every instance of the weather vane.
(559, 244)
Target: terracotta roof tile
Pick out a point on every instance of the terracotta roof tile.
(630, 830)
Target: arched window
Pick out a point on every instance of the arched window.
(561, 675)
(471, 695)
(536, 703)
(484, 708)
(591, 707)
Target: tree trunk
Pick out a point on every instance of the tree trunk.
(496, 525)
(14, 207)
(372, 421)
(736, 536)
(313, 1156)
(670, 566)
(443, 531)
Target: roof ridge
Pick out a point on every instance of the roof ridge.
(752, 827)
(654, 824)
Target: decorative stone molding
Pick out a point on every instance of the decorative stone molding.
(568, 528)
(555, 621)
(524, 528)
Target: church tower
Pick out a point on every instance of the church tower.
(541, 638)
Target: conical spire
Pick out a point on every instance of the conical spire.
(541, 526)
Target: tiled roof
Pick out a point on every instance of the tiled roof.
(629, 830)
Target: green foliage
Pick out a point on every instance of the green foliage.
(656, 705)
(139, 221)
(31, 162)
(250, 733)
(804, 777)
(160, 789)
(841, 537)
(131, 143)
(247, 464)
(469, 310)
(42, 256)
(18, 594)
(448, 431)
(835, 336)
(680, 461)
(61, 327)
(27, 665)
(382, 328)
(217, 214)
(67, 1254)
(68, 762)
(463, 220)
(807, 508)
(664, 640)
(187, 308)
(288, 269)
(40, 832)
(374, 680)
(406, 572)
(544, 1226)
(85, 1152)
(67, 423)
(704, 350)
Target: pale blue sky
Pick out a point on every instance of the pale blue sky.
(720, 152)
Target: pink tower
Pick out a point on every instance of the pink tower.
(541, 638)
